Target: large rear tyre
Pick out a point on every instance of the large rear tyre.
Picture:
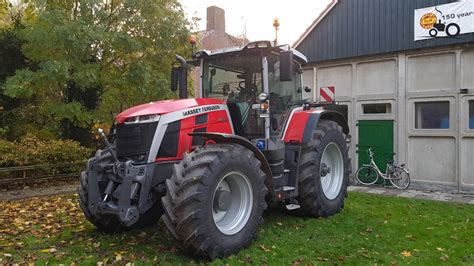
(366, 175)
(215, 200)
(324, 171)
(111, 223)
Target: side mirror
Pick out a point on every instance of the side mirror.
(175, 71)
(286, 66)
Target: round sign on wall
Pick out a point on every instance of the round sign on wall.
(428, 20)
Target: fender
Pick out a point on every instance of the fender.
(230, 138)
(300, 127)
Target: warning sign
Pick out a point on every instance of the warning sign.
(328, 94)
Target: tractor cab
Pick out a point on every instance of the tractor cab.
(256, 81)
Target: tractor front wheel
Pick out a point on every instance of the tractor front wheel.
(215, 200)
(324, 171)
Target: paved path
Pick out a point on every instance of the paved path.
(409, 193)
(416, 194)
(37, 192)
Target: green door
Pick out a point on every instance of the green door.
(377, 134)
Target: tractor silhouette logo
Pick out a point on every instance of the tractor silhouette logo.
(430, 21)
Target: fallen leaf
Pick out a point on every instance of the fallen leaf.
(264, 248)
(439, 249)
(406, 253)
(49, 250)
(444, 257)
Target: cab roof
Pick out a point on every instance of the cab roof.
(262, 45)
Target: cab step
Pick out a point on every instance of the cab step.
(292, 206)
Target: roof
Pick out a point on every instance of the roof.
(298, 55)
(354, 28)
(326, 11)
(233, 40)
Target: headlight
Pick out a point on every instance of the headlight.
(142, 119)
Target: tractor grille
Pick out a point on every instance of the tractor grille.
(133, 141)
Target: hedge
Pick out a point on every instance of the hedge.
(30, 150)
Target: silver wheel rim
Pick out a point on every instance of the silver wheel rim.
(232, 218)
(332, 171)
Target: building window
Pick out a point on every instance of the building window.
(377, 108)
(471, 114)
(432, 115)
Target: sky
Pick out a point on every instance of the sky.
(256, 16)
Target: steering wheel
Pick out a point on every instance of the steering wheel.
(242, 85)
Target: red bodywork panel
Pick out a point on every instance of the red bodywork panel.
(216, 122)
(164, 107)
(295, 130)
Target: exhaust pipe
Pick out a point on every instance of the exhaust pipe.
(183, 77)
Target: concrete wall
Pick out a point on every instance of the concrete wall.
(409, 82)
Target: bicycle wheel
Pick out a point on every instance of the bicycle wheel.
(400, 178)
(367, 175)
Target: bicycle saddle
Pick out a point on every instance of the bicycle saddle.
(390, 161)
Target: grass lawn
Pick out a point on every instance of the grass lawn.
(370, 230)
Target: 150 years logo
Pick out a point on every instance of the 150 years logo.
(449, 20)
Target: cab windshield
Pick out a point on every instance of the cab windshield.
(236, 79)
(232, 76)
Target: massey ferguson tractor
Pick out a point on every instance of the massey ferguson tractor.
(209, 166)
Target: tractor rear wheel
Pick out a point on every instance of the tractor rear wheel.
(215, 200)
(111, 223)
(324, 171)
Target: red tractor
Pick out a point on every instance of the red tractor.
(209, 166)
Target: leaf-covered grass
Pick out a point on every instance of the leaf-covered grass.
(370, 229)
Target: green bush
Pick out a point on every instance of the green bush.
(30, 150)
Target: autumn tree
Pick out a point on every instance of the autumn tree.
(91, 58)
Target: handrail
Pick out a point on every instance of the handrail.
(39, 166)
(42, 176)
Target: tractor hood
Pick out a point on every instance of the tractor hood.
(164, 107)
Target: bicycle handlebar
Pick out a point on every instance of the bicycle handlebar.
(370, 152)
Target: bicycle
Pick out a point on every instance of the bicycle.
(369, 174)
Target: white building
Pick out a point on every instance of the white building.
(402, 89)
